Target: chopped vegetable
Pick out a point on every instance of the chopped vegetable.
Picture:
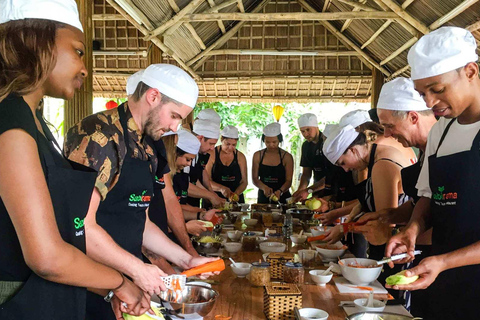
(145, 316)
(208, 239)
(400, 278)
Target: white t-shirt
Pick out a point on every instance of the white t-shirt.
(459, 138)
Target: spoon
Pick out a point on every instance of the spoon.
(370, 300)
(326, 271)
(300, 234)
(234, 264)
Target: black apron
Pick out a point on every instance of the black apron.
(313, 154)
(410, 176)
(180, 186)
(70, 190)
(367, 201)
(455, 210)
(273, 177)
(196, 174)
(123, 214)
(227, 176)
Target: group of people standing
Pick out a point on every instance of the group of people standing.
(107, 218)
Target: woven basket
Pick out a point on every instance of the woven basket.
(279, 300)
(277, 261)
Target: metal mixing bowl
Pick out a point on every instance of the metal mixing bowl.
(378, 316)
(196, 300)
(209, 247)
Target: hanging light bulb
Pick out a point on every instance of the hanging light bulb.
(278, 112)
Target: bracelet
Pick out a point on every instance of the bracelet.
(121, 284)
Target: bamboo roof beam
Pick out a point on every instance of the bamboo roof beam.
(473, 27)
(438, 23)
(156, 41)
(131, 9)
(406, 3)
(107, 17)
(220, 24)
(323, 53)
(366, 58)
(177, 18)
(406, 16)
(223, 5)
(289, 16)
(377, 33)
(407, 26)
(357, 6)
(326, 4)
(201, 56)
(240, 6)
(394, 54)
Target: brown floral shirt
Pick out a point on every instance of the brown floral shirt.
(98, 143)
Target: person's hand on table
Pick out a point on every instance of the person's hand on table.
(217, 201)
(135, 301)
(403, 242)
(376, 232)
(300, 195)
(334, 235)
(208, 215)
(147, 277)
(324, 205)
(267, 191)
(278, 194)
(381, 216)
(195, 227)
(428, 269)
(227, 193)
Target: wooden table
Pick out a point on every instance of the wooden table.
(239, 300)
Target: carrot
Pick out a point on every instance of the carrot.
(319, 238)
(217, 265)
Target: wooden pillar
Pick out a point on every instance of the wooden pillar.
(82, 103)
(377, 82)
(154, 55)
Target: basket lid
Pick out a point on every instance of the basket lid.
(282, 289)
(294, 265)
(261, 264)
(281, 255)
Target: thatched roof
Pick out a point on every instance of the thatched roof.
(268, 50)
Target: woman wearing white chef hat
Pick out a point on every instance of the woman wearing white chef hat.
(227, 167)
(445, 72)
(272, 167)
(43, 272)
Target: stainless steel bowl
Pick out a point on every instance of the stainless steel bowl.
(196, 300)
(209, 247)
(378, 316)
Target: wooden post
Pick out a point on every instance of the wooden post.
(154, 55)
(377, 82)
(82, 103)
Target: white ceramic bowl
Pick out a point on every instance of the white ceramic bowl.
(233, 247)
(331, 252)
(318, 231)
(234, 235)
(320, 279)
(267, 247)
(261, 239)
(242, 269)
(361, 304)
(297, 239)
(257, 233)
(360, 276)
(250, 222)
(312, 313)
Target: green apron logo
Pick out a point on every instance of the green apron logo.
(139, 198)
(79, 223)
(444, 196)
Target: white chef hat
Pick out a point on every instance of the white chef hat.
(338, 142)
(188, 142)
(210, 115)
(400, 94)
(206, 128)
(354, 118)
(132, 82)
(173, 82)
(272, 130)
(329, 129)
(441, 51)
(64, 11)
(230, 132)
(307, 120)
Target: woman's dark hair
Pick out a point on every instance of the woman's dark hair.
(223, 138)
(361, 140)
(280, 138)
(27, 54)
(180, 152)
(371, 130)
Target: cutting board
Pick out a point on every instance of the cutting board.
(344, 286)
(391, 309)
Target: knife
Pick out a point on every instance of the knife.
(397, 257)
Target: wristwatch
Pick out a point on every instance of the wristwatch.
(310, 191)
(109, 296)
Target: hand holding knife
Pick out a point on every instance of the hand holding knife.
(397, 257)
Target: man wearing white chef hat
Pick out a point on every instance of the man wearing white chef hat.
(312, 160)
(272, 167)
(445, 72)
(133, 81)
(207, 129)
(118, 144)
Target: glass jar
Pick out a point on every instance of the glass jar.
(275, 237)
(249, 241)
(267, 218)
(293, 273)
(260, 274)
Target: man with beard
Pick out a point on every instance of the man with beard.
(118, 144)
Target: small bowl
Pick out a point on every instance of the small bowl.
(234, 235)
(331, 252)
(318, 231)
(268, 247)
(378, 306)
(233, 247)
(320, 279)
(241, 269)
(297, 239)
(312, 313)
(360, 276)
(261, 239)
(250, 222)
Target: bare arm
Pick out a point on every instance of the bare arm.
(385, 180)
(176, 221)
(208, 169)
(199, 191)
(43, 249)
(255, 176)
(305, 179)
(288, 163)
(242, 162)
